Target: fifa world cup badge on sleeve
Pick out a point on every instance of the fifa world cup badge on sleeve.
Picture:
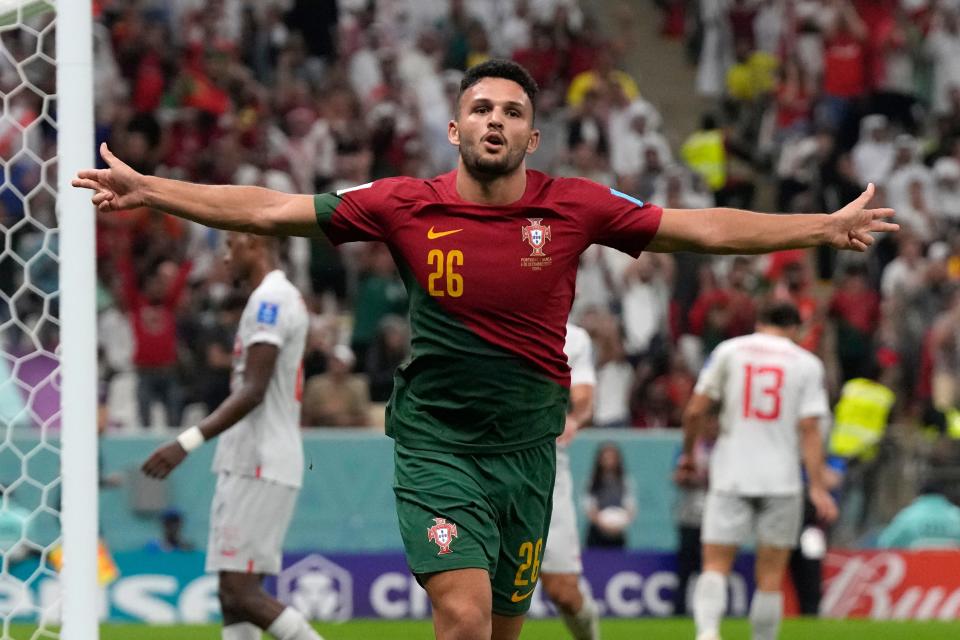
(267, 313)
(442, 533)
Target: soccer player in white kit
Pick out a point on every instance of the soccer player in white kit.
(561, 567)
(772, 398)
(259, 457)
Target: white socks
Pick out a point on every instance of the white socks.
(240, 631)
(584, 624)
(709, 603)
(291, 625)
(766, 610)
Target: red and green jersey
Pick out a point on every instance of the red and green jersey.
(490, 289)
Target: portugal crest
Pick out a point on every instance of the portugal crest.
(442, 533)
(536, 235)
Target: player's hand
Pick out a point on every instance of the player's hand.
(823, 503)
(164, 460)
(569, 430)
(685, 474)
(118, 187)
(853, 226)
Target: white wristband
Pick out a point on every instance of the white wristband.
(190, 438)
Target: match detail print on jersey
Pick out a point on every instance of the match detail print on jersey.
(536, 235)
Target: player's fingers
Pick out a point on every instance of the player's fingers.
(879, 226)
(865, 197)
(107, 155)
(865, 238)
(857, 245)
(85, 183)
(101, 196)
(91, 174)
(881, 213)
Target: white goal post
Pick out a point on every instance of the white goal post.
(78, 356)
(47, 316)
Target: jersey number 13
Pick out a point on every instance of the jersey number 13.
(762, 386)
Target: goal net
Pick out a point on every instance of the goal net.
(33, 130)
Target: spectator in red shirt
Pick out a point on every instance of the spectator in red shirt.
(855, 310)
(793, 98)
(151, 305)
(795, 286)
(845, 65)
(726, 311)
(542, 58)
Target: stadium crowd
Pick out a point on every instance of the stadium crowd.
(806, 102)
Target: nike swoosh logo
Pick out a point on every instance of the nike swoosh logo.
(516, 597)
(433, 235)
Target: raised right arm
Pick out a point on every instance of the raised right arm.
(236, 208)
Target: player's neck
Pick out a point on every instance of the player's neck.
(260, 271)
(497, 191)
(777, 332)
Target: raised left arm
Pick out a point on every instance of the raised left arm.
(732, 231)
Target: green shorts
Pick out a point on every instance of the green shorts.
(492, 511)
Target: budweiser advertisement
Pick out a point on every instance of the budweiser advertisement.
(892, 585)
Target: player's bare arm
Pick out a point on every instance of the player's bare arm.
(695, 419)
(261, 360)
(235, 208)
(811, 449)
(732, 231)
(580, 414)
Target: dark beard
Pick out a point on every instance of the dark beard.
(489, 169)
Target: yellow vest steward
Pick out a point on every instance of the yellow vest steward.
(861, 418)
(704, 153)
(953, 424)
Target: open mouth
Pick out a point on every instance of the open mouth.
(493, 140)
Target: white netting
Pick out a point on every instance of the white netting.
(29, 324)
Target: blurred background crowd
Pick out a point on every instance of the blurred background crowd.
(799, 105)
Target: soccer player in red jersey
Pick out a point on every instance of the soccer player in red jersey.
(489, 254)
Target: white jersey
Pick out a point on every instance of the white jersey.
(579, 352)
(266, 443)
(765, 384)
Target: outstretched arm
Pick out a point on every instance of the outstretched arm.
(248, 209)
(731, 231)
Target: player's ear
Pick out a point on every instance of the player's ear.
(453, 133)
(534, 141)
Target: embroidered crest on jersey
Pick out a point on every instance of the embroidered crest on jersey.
(442, 533)
(267, 313)
(536, 235)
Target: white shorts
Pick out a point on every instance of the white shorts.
(562, 553)
(248, 522)
(730, 519)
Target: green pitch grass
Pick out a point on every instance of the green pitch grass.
(643, 629)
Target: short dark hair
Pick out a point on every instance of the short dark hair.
(500, 68)
(780, 314)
